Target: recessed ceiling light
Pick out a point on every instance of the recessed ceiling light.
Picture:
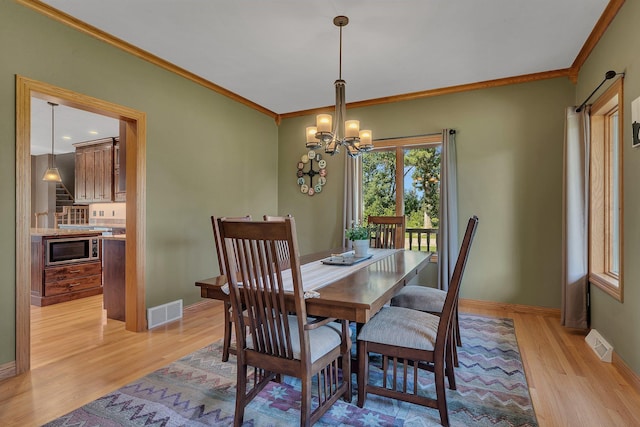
(93, 132)
(66, 137)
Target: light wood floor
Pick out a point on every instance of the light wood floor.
(78, 355)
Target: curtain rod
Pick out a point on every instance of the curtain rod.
(607, 76)
(451, 132)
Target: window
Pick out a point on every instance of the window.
(605, 191)
(401, 176)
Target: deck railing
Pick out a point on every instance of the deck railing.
(422, 239)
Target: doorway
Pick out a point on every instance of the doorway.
(135, 130)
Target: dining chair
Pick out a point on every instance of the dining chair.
(431, 300)
(387, 232)
(279, 343)
(410, 338)
(228, 319)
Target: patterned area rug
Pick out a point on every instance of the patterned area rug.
(199, 390)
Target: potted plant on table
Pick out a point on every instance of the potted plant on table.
(359, 235)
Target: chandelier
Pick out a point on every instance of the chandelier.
(346, 133)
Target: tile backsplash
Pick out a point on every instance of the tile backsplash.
(107, 213)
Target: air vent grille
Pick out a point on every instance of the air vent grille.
(164, 313)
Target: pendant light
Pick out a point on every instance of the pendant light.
(52, 174)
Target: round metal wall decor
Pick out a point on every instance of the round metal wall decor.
(311, 165)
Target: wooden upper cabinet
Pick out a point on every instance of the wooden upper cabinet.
(94, 171)
(119, 172)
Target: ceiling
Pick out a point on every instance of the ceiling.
(283, 55)
(71, 126)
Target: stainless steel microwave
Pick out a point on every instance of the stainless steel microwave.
(72, 249)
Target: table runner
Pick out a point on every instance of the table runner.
(315, 274)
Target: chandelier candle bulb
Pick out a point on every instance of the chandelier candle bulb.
(352, 128)
(311, 136)
(323, 122)
(365, 138)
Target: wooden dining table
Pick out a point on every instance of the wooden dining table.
(355, 297)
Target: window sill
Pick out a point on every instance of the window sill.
(608, 284)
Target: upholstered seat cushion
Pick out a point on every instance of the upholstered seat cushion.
(421, 298)
(321, 340)
(402, 327)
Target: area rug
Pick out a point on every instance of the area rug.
(199, 390)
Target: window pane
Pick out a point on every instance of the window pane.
(422, 191)
(379, 182)
(615, 197)
(422, 187)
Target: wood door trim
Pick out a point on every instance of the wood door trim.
(136, 196)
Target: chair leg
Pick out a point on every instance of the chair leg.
(241, 395)
(363, 372)
(441, 394)
(228, 326)
(305, 403)
(345, 360)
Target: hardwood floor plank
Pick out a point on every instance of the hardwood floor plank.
(79, 355)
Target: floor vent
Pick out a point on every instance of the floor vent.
(164, 313)
(599, 345)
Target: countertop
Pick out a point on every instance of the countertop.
(62, 232)
(122, 237)
(91, 226)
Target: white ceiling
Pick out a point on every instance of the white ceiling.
(283, 54)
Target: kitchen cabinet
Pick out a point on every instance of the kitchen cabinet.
(64, 282)
(94, 171)
(113, 260)
(119, 172)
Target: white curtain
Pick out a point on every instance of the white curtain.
(352, 195)
(575, 219)
(448, 224)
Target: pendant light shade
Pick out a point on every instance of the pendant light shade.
(52, 174)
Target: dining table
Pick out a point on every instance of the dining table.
(349, 292)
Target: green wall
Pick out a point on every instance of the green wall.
(618, 50)
(200, 152)
(509, 142)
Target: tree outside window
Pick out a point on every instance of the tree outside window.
(403, 178)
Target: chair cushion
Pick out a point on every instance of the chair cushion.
(421, 298)
(321, 340)
(401, 327)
